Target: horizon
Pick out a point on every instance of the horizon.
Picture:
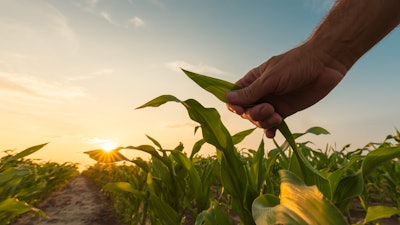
(73, 72)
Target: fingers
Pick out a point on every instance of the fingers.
(250, 92)
(270, 133)
(262, 115)
(245, 96)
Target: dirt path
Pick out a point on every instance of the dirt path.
(79, 203)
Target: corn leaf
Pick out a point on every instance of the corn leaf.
(312, 130)
(14, 207)
(155, 142)
(125, 187)
(195, 180)
(214, 215)
(196, 147)
(378, 157)
(299, 204)
(159, 101)
(257, 170)
(26, 152)
(164, 212)
(311, 175)
(216, 134)
(348, 187)
(106, 157)
(218, 88)
(237, 138)
(380, 212)
(213, 85)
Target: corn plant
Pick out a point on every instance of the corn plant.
(317, 187)
(337, 186)
(24, 183)
(175, 186)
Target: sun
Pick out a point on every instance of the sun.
(108, 146)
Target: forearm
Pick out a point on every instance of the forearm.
(353, 27)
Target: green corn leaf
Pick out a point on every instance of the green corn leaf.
(309, 173)
(142, 164)
(106, 157)
(378, 157)
(125, 187)
(196, 147)
(299, 204)
(198, 187)
(348, 187)
(164, 212)
(27, 152)
(15, 174)
(213, 85)
(14, 207)
(257, 170)
(312, 130)
(380, 212)
(152, 151)
(159, 101)
(145, 148)
(218, 88)
(155, 142)
(216, 134)
(214, 215)
(237, 138)
(195, 180)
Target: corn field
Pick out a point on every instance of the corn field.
(25, 182)
(291, 183)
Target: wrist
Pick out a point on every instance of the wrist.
(353, 27)
(340, 61)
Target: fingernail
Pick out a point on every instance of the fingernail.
(230, 108)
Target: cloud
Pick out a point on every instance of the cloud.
(48, 30)
(62, 27)
(95, 8)
(29, 87)
(95, 140)
(199, 68)
(105, 15)
(92, 2)
(181, 125)
(137, 22)
(96, 74)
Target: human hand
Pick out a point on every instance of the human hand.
(284, 85)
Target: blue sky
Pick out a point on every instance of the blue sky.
(72, 72)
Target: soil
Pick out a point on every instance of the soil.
(80, 202)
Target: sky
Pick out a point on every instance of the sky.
(73, 72)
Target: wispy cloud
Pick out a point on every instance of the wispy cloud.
(92, 2)
(199, 68)
(94, 7)
(93, 75)
(30, 88)
(48, 30)
(96, 140)
(181, 125)
(105, 15)
(137, 22)
(62, 27)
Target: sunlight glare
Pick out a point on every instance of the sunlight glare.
(108, 146)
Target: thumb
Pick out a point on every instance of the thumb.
(244, 97)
